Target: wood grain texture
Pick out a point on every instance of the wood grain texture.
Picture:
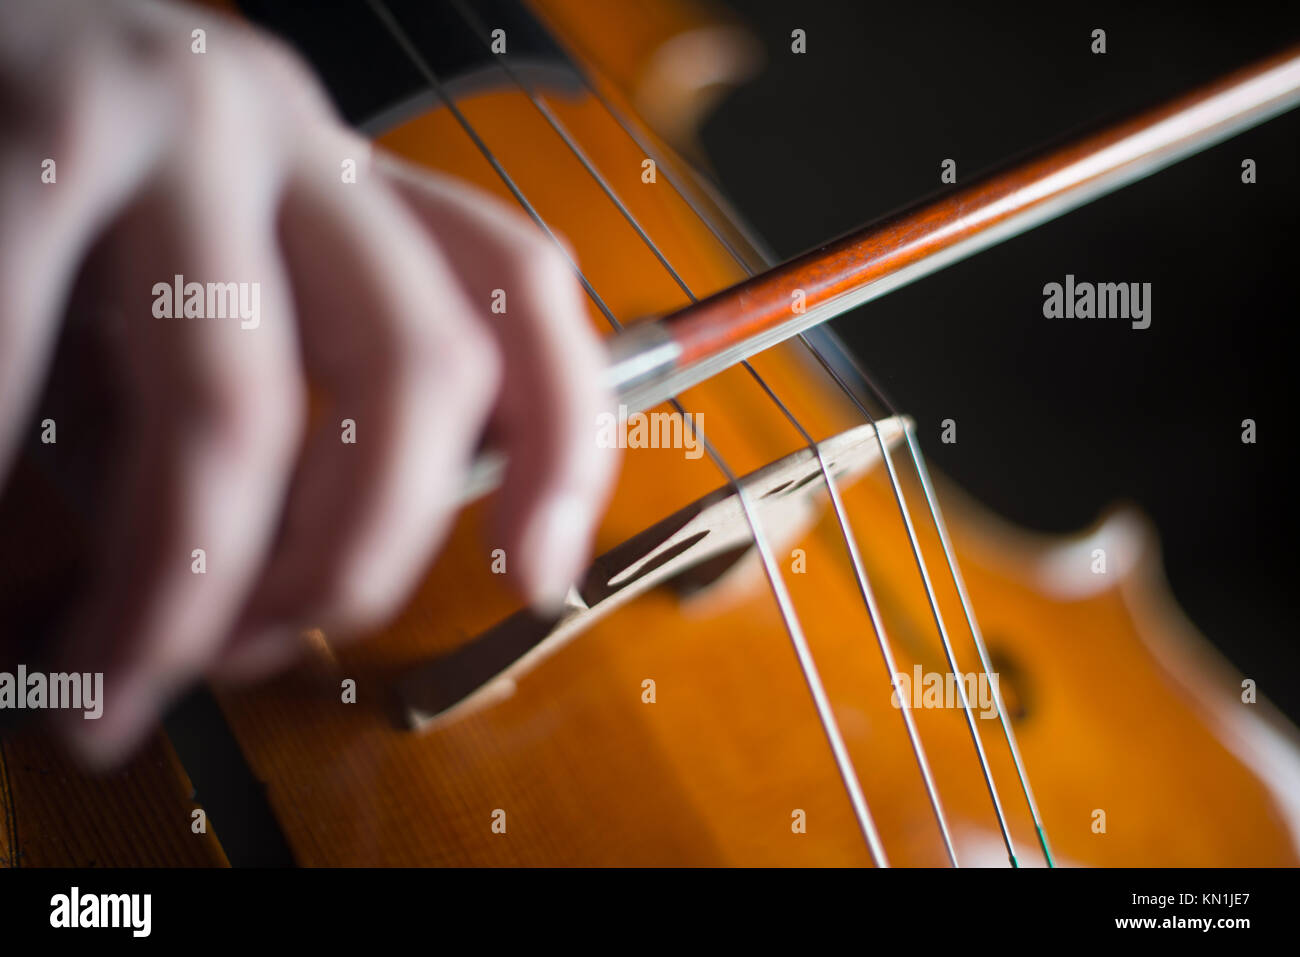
(1118, 706)
(138, 815)
(587, 773)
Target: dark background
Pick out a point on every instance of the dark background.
(1057, 420)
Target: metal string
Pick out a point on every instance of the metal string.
(959, 685)
(780, 593)
(941, 525)
(864, 587)
(914, 450)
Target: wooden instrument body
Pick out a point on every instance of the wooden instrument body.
(1119, 707)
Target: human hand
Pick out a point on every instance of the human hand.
(224, 168)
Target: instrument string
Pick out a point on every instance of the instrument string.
(864, 587)
(918, 462)
(669, 173)
(954, 570)
(811, 675)
(949, 654)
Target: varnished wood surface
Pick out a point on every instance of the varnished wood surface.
(587, 773)
(1118, 706)
(138, 815)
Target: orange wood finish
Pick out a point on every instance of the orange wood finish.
(1119, 708)
(139, 815)
(712, 772)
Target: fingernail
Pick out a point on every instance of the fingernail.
(257, 653)
(129, 708)
(557, 551)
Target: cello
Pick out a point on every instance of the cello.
(740, 678)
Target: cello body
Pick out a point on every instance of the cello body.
(678, 730)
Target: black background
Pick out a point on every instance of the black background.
(1058, 420)
(335, 910)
